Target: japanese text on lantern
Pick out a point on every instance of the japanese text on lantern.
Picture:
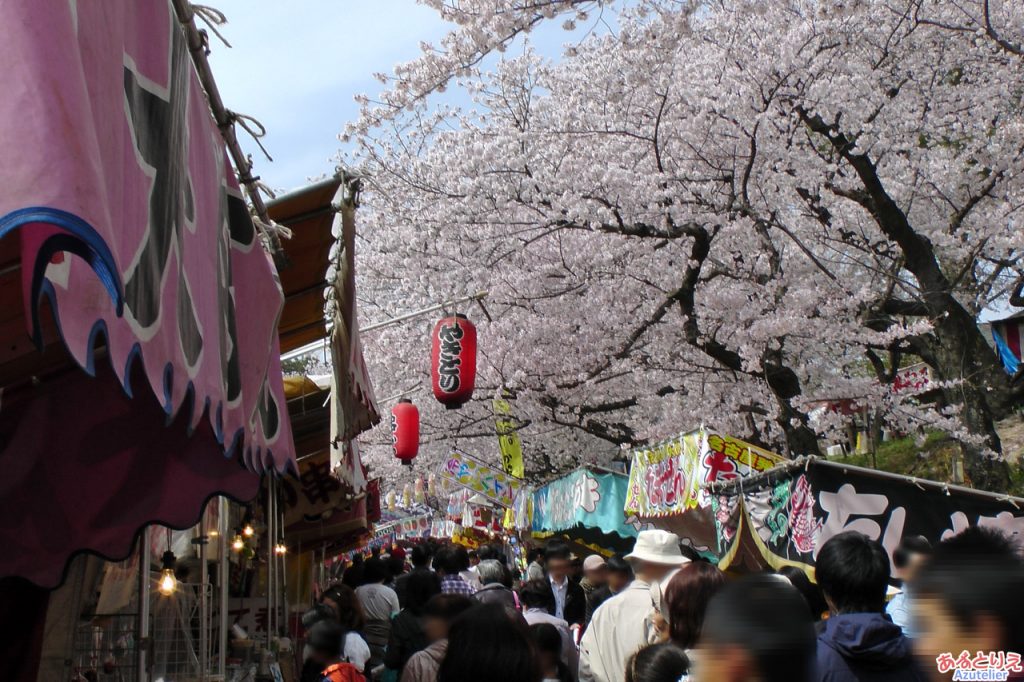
(451, 350)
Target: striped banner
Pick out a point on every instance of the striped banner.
(1007, 336)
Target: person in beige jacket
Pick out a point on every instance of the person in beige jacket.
(622, 625)
(438, 614)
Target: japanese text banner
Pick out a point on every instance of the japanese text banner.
(667, 478)
(508, 439)
(791, 517)
(478, 477)
(583, 499)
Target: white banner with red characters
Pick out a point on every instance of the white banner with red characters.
(667, 478)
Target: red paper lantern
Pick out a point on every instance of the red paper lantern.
(405, 430)
(453, 361)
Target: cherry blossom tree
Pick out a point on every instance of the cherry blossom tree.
(707, 213)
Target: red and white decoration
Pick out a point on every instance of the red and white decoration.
(453, 361)
(405, 430)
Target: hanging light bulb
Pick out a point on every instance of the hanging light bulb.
(280, 549)
(248, 531)
(238, 544)
(168, 582)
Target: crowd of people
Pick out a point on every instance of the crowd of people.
(662, 613)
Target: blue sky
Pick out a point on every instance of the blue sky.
(295, 67)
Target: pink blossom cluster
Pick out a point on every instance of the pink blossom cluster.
(713, 212)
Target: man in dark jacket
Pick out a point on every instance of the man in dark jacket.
(570, 600)
(493, 576)
(420, 562)
(860, 643)
(407, 630)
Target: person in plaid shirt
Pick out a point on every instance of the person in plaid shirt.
(447, 565)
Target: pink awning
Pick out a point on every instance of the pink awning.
(84, 467)
(134, 232)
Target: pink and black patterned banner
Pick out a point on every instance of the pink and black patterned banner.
(792, 513)
(112, 157)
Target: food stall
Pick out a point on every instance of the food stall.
(783, 516)
(585, 507)
(666, 482)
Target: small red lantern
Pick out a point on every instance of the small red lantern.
(453, 361)
(405, 430)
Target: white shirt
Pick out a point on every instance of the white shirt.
(560, 591)
(473, 578)
(379, 602)
(619, 628)
(356, 650)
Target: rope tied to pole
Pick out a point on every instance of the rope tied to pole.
(251, 125)
(213, 18)
(197, 44)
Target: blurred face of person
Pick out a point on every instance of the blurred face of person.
(327, 601)
(721, 664)
(549, 663)
(597, 576)
(914, 564)
(558, 569)
(435, 628)
(617, 581)
(939, 632)
(652, 572)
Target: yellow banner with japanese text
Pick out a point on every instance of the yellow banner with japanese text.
(508, 439)
(668, 478)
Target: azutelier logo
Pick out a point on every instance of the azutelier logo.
(992, 666)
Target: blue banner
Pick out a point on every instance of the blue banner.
(583, 499)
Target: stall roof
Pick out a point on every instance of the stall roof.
(20, 359)
(309, 214)
(587, 504)
(768, 477)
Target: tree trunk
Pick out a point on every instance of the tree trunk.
(785, 385)
(957, 359)
(960, 352)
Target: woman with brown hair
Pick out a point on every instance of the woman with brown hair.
(342, 599)
(686, 600)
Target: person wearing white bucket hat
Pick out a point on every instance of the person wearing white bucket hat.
(621, 625)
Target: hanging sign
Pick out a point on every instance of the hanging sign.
(794, 514)
(443, 528)
(667, 478)
(415, 526)
(508, 439)
(471, 474)
(663, 477)
(583, 499)
(520, 516)
(913, 379)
